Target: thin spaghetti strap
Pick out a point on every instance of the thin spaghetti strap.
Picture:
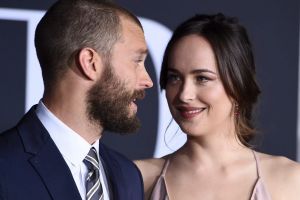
(257, 163)
(160, 190)
(166, 164)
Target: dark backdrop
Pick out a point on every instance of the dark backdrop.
(273, 27)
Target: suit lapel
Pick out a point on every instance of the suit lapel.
(112, 173)
(55, 174)
(46, 159)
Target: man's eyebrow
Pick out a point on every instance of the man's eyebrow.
(142, 51)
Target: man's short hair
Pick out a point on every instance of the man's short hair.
(70, 25)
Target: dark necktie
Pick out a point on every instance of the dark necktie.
(94, 189)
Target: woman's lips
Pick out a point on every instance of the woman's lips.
(189, 112)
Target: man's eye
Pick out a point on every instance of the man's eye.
(139, 61)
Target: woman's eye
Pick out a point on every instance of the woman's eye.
(202, 79)
(172, 78)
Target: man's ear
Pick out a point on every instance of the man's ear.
(90, 63)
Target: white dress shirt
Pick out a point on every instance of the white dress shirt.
(73, 148)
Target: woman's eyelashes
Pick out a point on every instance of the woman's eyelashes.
(173, 78)
(202, 78)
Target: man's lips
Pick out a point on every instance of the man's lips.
(133, 105)
(189, 112)
(134, 102)
(138, 95)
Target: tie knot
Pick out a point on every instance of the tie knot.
(91, 160)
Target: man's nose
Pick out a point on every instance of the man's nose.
(145, 80)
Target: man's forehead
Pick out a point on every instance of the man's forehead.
(129, 25)
(131, 32)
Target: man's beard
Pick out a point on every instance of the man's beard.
(109, 101)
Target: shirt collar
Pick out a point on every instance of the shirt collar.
(71, 145)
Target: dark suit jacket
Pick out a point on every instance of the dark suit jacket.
(32, 168)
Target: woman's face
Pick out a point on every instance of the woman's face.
(194, 91)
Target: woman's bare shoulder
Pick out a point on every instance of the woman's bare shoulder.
(151, 170)
(281, 164)
(151, 165)
(282, 176)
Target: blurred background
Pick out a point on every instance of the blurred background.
(273, 27)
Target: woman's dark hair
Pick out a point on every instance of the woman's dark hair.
(236, 67)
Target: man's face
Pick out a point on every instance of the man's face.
(112, 100)
(109, 103)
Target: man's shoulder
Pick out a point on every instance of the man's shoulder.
(8, 138)
(11, 150)
(12, 140)
(9, 135)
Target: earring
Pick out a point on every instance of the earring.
(236, 110)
